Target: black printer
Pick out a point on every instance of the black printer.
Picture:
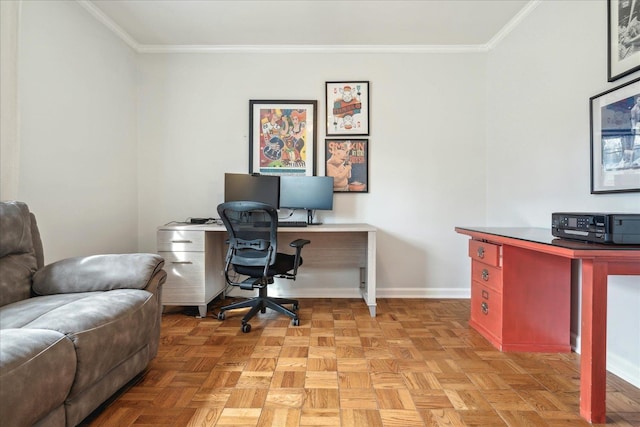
(616, 228)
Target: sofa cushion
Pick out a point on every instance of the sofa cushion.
(37, 368)
(17, 257)
(20, 314)
(121, 321)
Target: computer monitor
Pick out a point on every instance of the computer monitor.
(256, 188)
(306, 192)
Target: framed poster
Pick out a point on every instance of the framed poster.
(282, 137)
(347, 161)
(615, 139)
(347, 108)
(624, 37)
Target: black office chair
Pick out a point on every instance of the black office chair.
(253, 234)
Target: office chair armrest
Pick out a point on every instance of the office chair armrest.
(299, 243)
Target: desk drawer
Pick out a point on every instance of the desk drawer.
(486, 274)
(488, 253)
(180, 241)
(185, 278)
(486, 309)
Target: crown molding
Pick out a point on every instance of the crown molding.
(512, 24)
(141, 48)
(110, 24)
(310, 49)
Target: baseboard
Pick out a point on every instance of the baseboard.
(431, 293)
(574, 340)
(617, 365)
(299, 292)
(302, 293)
(624, 369)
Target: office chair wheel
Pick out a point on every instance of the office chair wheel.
(246, 327)
(296, 321)
(221, 315)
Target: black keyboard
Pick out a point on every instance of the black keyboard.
(282, 224)
(292, 223)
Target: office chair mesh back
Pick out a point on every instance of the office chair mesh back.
(252, 229)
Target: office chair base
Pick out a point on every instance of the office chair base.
(261, 303)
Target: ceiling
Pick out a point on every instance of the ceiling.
(328, 23)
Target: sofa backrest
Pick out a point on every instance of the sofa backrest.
(20, 251)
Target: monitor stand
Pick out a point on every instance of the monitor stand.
(310, 218)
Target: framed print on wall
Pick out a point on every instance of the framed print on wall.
(347, 161)
(624, 37)
(615, 139)
(282, 137)
(347, 108)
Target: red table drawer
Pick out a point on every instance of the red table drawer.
(486, 309)
(485, 252)
(487, 275)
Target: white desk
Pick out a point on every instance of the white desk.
(194, 256)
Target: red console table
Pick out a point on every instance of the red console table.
(511, 264)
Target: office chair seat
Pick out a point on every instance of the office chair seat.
(253, 232)
(283, 264)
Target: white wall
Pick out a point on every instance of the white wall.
(78, 165)
(426, 148)
(9, 128)
(539, 82)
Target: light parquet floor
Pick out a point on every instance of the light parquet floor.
(418, 363)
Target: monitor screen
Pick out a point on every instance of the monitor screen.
(306, 192)
(255, 188)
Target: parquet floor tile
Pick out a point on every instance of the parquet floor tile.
(418, 363)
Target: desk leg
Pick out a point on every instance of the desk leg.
(371, 272)
(593, 353)
(202, 310)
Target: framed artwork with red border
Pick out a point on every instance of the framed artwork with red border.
(347, 108)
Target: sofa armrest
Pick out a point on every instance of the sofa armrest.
(100, 273)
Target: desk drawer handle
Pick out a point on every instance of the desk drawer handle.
(485, 308)
(181, 262)
(485, 294)
(485, 275)
(481, 252)
(181, 241)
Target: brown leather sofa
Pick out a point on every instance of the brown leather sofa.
(74, 332)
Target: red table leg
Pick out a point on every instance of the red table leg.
(593, 333)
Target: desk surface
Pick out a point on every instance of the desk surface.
(322, 228)
(521, 236)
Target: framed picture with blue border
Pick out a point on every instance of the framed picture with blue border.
(615, 139)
